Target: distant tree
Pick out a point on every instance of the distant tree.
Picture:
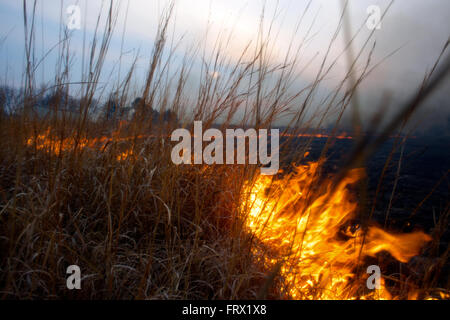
(143, 111)
(110, 109)
(170, 116)
(10, 100)
(2, 103)
(61, 101)
(113, 110)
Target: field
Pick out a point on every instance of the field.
(86, 182)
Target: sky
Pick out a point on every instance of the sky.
(417, 28)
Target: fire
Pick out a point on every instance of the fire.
(340, 136)
(56, 145)
(125, 155)
(305, 225)
(46, 141)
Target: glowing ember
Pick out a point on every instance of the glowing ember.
(301, 222)
(125, 155)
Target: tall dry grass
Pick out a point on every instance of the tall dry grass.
(142, 227)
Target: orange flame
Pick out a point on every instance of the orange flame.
(48, 142)
(304, 223)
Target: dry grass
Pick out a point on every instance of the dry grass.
(143, 228)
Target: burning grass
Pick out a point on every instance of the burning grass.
(105, 195)
(138, 229)
(142, 228)
(308, 226)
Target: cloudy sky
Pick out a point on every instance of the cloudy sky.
(418, 28)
